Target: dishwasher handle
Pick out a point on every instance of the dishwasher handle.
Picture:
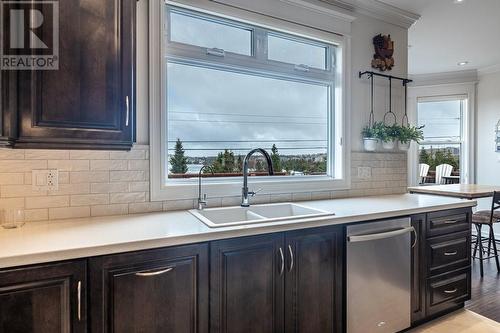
(382, 235)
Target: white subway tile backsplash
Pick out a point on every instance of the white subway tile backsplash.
(89, 199)
(108, 187)
(107, 165)
(101, 183)
(89, 177)
(107, 210)
(11, 178)
(46, 154)
(68, 212)
(69, 165)
(127, 197)
(47, 202)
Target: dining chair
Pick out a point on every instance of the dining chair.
(487, 218)
(443, 170)
(423, 172)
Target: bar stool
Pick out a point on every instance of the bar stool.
(487, 218)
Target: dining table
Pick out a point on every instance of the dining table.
(463, 191)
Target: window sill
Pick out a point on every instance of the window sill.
(266, 185)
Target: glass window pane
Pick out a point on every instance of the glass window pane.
(295, 52)
(442, 120)
(210, 34)
(220, 115)
(437, 154)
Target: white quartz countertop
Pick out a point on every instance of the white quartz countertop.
(78, 238)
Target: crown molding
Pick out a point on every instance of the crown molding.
(324, 9)
(379, 10)
(489, 70)
(432, 79)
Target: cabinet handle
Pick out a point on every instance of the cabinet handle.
(450, 221)
(451, 291)
(416, 238)
(79, 300)
(454, 253)
(154, 273)
(282, 261)
(127, 106)
(291, 258)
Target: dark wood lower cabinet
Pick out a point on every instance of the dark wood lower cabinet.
(154, 291)
(247, 285)
(313, 296)
(44, 299)
(284, 282)
(289, 282)
(418, 270)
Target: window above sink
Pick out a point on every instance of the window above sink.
(228, 86)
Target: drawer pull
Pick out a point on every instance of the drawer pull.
(450, 221)
(449, 254)
(451, 291)
(154, 273)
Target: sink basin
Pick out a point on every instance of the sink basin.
(232, 216)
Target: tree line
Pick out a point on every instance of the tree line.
(227, 162)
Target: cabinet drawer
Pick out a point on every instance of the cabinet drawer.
(449, 252)
(448, 291)
(446, 222)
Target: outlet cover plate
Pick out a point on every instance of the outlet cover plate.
(364, 172)
(45, 180)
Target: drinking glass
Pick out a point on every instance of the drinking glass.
(11, 218)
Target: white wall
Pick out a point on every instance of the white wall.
(363, 30)
(488, 114)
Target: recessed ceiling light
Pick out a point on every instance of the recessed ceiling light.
(462, 63)
(458, 1)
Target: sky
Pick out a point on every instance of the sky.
(208, 106)
(442, 120)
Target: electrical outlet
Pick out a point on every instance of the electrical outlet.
(364, 172)
(45, 180)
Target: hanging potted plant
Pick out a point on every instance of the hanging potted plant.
(407, 134)
(387, 135)
(369, 138)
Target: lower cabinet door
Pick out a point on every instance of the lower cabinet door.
(154, 291)
(313, 293)
(44, 299)
(246, 284)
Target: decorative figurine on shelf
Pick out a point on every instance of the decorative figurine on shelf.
(384, 50)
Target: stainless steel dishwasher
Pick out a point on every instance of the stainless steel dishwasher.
(379, 276)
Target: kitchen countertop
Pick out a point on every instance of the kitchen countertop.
(465, 191)
(78, 238)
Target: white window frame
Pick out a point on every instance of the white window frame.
(338, 130)
(467, 91)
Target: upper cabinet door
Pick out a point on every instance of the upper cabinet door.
(89, 102)
(246, 284)
(313, 295)
(47, 298)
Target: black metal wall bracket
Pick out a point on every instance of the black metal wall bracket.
(390, 77)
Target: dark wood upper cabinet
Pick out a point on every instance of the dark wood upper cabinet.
(89, 102)
(48, 298)
(313, 292)
(155, 291)
(246, 284)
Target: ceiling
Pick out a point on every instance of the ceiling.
(448, 33)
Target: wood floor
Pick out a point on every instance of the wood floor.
(485, 291)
